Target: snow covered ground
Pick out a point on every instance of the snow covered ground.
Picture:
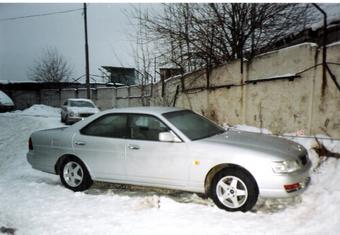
(33, 202)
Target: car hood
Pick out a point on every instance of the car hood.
(82, 110)
(260, 142)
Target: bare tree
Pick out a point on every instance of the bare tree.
(51, 67)
(143, 59)
(193, 36)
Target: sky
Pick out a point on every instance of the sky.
(111, 35)
(23, 41)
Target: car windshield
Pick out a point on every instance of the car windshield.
(81, 103)
(193, 125)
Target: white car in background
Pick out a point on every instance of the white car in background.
(74, 110)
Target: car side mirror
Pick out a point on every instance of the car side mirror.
(168, 137)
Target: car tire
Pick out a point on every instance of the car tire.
(74, 175)
(234, 189)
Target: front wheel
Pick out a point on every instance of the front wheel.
(74, 175)
(234, 190)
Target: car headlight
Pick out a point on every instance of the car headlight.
(71, 114)
(286, 166)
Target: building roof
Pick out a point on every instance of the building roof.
(113, 68)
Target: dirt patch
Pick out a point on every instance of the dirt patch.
(5, 230)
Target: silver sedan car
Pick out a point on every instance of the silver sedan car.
(172, 148)
(76, 109)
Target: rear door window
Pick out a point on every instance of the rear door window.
(112, 125)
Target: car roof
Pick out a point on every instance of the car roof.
(79, 99)
(155, 110)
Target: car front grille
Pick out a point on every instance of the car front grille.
(303, 159)
(85, 114)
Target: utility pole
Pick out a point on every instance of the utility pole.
(87, 69)
(324, 48)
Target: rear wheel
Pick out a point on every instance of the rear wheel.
(74, 175)
(233, 189)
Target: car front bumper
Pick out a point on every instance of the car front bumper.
(78, 117)
(74, 119)
(287, 185)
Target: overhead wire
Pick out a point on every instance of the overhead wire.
(39, 15)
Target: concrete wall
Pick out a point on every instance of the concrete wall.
(104, 97)
(282, 106)
(24, 99)
(50, 97)
(133, 96)
(279, 105)
(325, 106)
(308, 102)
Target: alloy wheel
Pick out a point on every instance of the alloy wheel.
(73, 174)
(231, 191)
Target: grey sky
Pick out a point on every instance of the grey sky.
(23, 41)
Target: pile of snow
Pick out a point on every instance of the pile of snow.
(40, 110)
(33, 202)
(252, 129)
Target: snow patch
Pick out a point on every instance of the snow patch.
(251, 129)
(33, 202)
(275, 76)
(10, 81)
(147, 203)
(333, 44)
(310, 44)
(40, 110)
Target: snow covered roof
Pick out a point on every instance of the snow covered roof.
(289, 76)
(12, 82)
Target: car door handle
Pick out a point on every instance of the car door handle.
(79, 143)
(133, 147)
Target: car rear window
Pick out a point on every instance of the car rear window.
(108, 126)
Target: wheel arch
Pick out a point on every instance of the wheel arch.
(216, 169)
(64, 157)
